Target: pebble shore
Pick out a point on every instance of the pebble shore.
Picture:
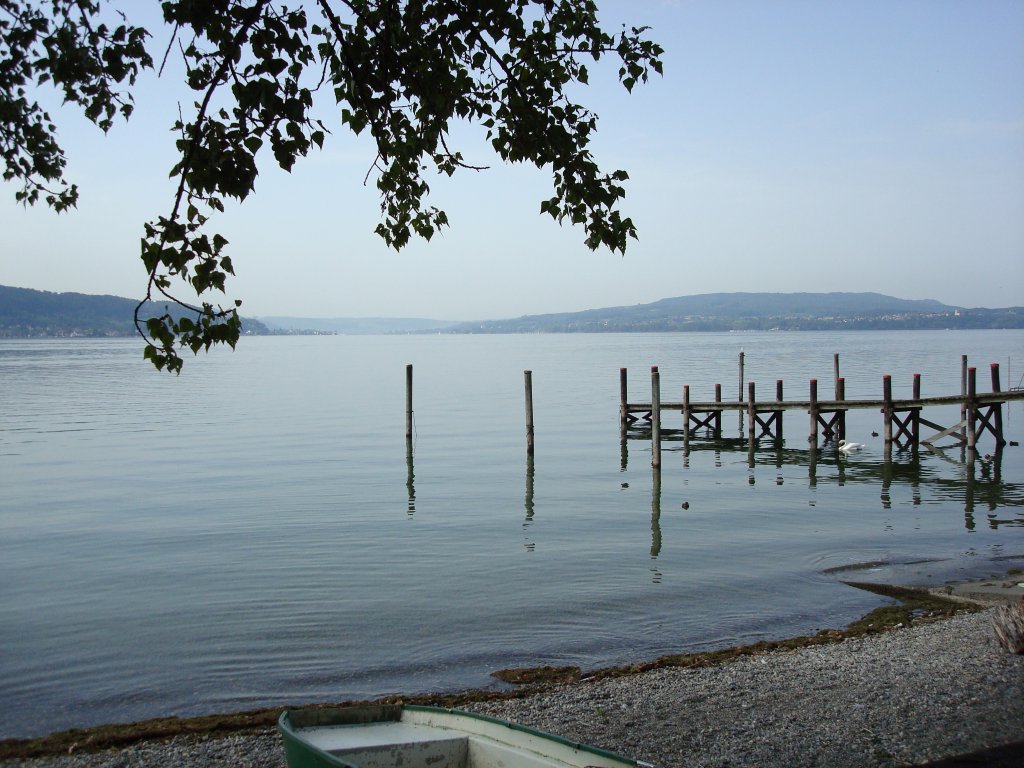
(905, 697)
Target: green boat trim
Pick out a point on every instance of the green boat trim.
(518, 741)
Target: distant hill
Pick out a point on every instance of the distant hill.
(355, 325)
(27, 313)
(760, 311)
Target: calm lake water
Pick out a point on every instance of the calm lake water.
(252, 533)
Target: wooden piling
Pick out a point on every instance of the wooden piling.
(835, 373)
(686, 417)
(718, 412)
(739, 398)
(963, 401)
(623, 407)
(996, 412)
(655, 417)
(841, 414)
(408, 403)
(751, 414)
(528, 380)
(887, 410)
(915, 416)
(686, 407)
(778, 414)
(812, 438)
(971, 407)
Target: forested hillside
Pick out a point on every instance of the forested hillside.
(761, 311)
(27, 313)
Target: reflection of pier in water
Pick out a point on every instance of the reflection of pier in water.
(978, 488)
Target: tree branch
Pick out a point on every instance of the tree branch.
(215, 82)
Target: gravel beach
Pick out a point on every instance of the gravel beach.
(905, 697)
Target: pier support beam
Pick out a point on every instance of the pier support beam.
(982, 418)
(769, 426)
(707, 417)
(908, 426)
(831, 420)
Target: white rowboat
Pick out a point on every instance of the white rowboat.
(427, 737)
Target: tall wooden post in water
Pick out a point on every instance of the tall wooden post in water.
(751, 415)
(655, 417)
(996, 411)
(686, 419)
(963, 401)
(739, 397)
(408, 403)
(887, 410)
(812, 438)
(718, 411)
(972, 409)
(778, 416)
(528, 381)
(915, 414)
(841, 415)
(623, 409)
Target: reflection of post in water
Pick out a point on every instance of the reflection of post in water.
(841, 473)
(623, 454)
(528, 501)
(410, 480)
(969, 490)
(915, 477)
(989, 471)
(778, 461)
(655, 512)
(887, 474)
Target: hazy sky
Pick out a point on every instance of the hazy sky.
(790, 146)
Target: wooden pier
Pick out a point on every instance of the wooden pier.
(902, 420)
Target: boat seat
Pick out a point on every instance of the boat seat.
(417, 745)
(378, 746)
(434, 753)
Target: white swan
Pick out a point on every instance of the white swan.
(846, 447)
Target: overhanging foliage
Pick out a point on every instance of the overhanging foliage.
(401, 70)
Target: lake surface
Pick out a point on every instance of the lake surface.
(252, 533)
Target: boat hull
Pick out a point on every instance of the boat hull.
(387, 736)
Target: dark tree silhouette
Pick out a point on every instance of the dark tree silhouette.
(402, 70)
